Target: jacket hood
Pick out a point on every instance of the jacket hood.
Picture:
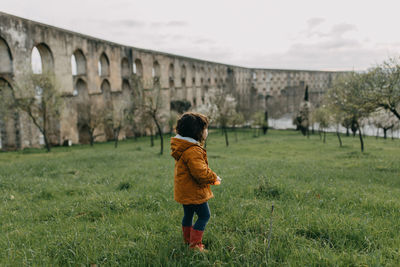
(178, 146)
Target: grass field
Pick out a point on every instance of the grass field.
(82, 205)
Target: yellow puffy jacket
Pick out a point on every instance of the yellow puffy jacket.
(192, 176)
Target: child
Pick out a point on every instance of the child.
(192, 176)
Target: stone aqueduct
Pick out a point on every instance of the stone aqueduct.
(100, 67)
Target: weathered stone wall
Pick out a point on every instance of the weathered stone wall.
(281, 91)
(129, 68)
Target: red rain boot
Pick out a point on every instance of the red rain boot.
(196, 237)
(186, 234)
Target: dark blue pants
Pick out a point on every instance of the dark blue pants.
(202, 211)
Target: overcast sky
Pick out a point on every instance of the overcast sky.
(289, 34)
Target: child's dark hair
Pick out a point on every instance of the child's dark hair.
(192, 124)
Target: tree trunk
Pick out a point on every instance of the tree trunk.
(46, 141)
(377, 133)
(226, 136)
(160, 134)
(236, 138)
(394, 111)
(312, 129)
(44, 131)
(324, 136)
(265, 130)
(340, 139)
(361, 139)
(151, 139)
(320, 135)
(116, 134)
(265, 126)
(91, 134)
(347, 131)
(385, 133)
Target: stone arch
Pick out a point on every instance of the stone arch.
(6, 59)
(183, 71)
(126, 88)
(127, 102)
(254, 76)
(125, 69)
(107, 103)
(156, 71)
(78, 63)
(127, 93)
(171, 75)
(138, 68)
(221, 71)
(202, 72)
(106, 89)
(193, 74)
(183, 75)
(83, 110)
(104, 65)
(202, 86)
(171, 71)
(42, 59)
(82, 90)
(9, 119)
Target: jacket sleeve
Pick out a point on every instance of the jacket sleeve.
(198, 167)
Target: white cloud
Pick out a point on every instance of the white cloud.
(310, 34)
(314, 22)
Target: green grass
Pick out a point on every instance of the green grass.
(82, 205)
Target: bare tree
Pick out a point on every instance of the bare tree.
(302, 118)
(383, 86)
(337, 119)
(172, 120)
(265, 123)
(38, 96)
(152, 107)
(348, 95)
(119, 115)
(321, 116)
(257, 122)
(383, 119)
(146, 121)
(348, 122)
(226, 107)
(91, 118)
(237, 119)
(395, 128)
(8, 114)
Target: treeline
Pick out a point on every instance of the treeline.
(357, 99)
